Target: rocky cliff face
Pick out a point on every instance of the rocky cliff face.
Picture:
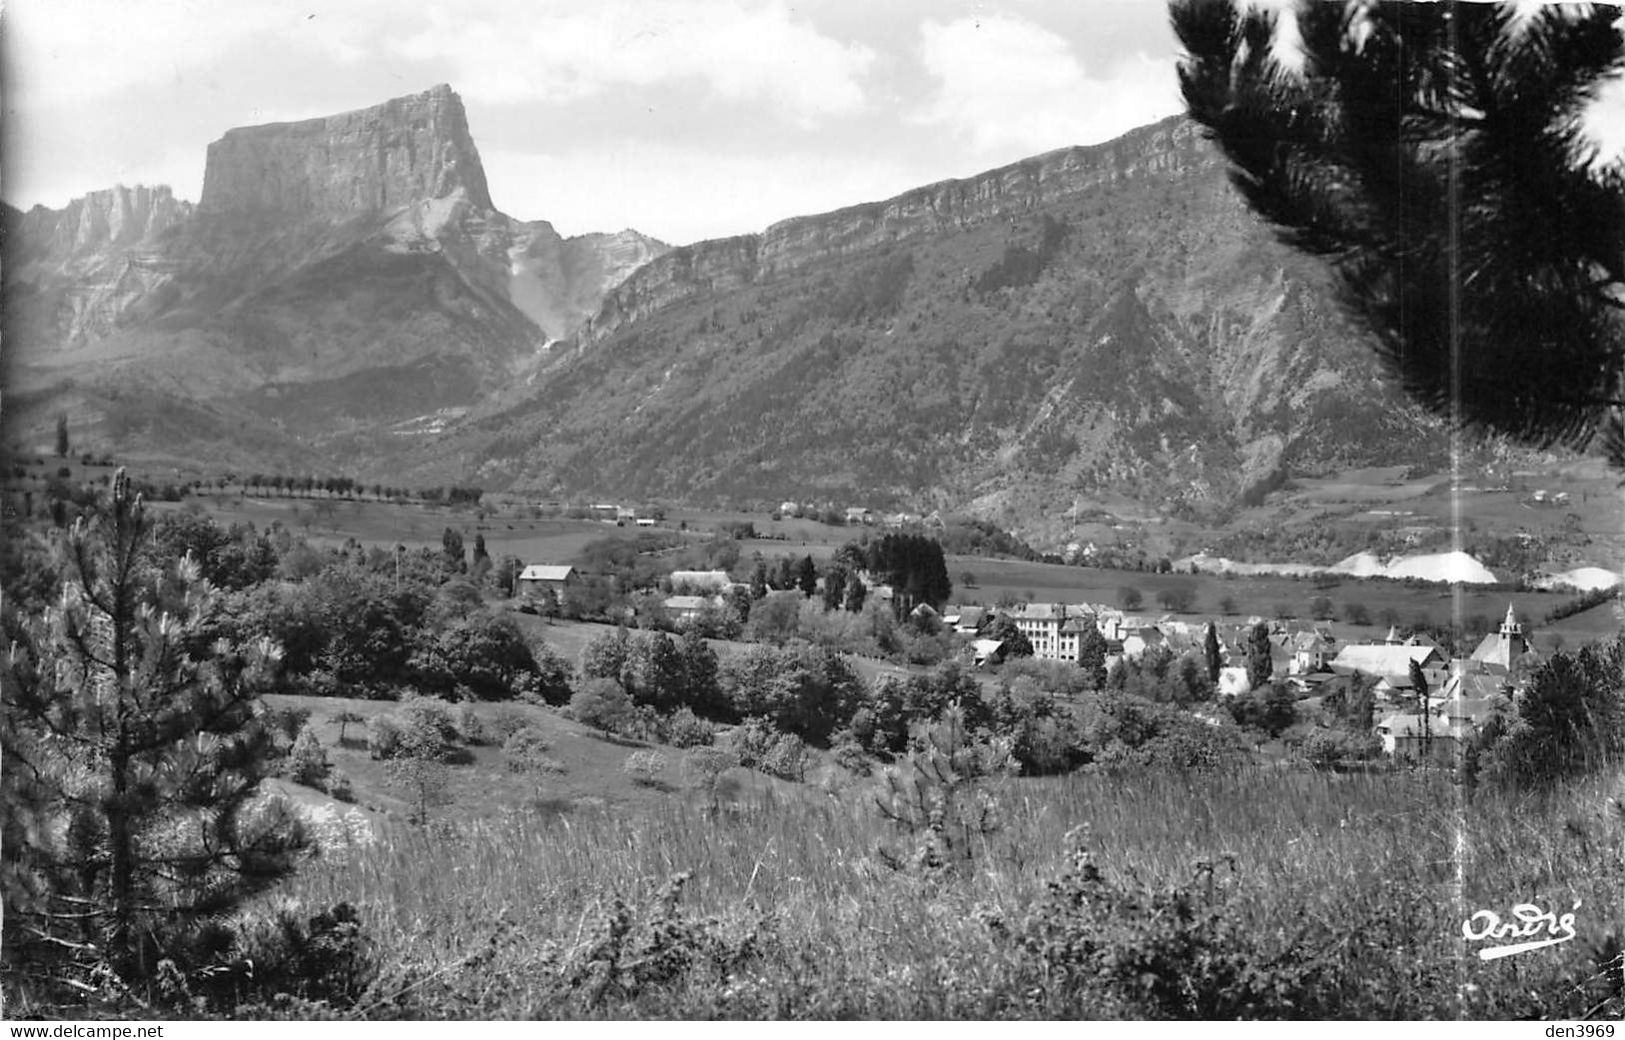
(403, 151)
(117, 218)
(102, 253)
(1166, 150)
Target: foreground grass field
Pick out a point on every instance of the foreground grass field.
(1328, 896)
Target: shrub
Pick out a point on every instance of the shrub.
(645, 767)
(750, 741)
(688, 730)
(850, 755)
(506, 722)
(786, 759)
(527, 740)
(473, 728)
(386, 737)
(339, 787)
(421, 727)
(428, 729)
(327, 957)
(602, 704)
(647, 724)
(1110, 949)
(307, 762)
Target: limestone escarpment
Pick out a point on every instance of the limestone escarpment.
(716, 265)
(405, 150)
(1163, 150)
(117, 217)
(1166, 148)
(104, 256)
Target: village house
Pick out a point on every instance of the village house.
(969, 621)
(1390, 664)
(540, 576)
(1311, 652)
(685, 609)
(1137, 640)
(984, 650)
(1406, 739)
(964, 620)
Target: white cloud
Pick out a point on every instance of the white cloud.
(743, 52)
(682, 195)
(1008, 85)
(75, 51)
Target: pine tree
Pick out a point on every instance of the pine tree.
(62, 447)
(134, 747)
(1435, 155)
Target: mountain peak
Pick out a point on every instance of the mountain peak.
(406, 150)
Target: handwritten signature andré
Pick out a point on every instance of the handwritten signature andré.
(1530, 921)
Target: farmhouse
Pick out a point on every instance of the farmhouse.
(684, 609)
(1311, 652)
(969, 621)
(1406, 738)
(538, 576)
(1137, 640)
(984, 650)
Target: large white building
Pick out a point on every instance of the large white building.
(1054, 629)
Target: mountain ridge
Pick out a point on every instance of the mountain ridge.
(1102, 319)
(319, 251)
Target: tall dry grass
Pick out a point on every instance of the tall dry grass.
(1374, 873)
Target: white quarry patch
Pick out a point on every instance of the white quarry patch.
(1450, 567)
(1583, 579)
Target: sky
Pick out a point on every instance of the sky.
(684, 119)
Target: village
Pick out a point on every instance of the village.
(1460, 693)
